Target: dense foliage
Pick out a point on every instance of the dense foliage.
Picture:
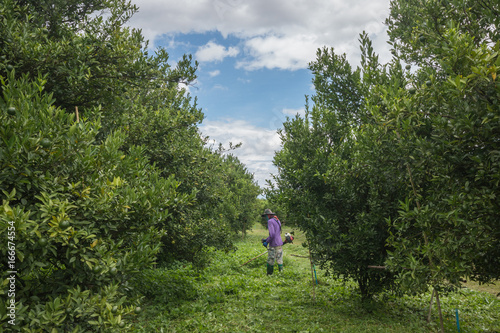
(399, 166)
(447, 126)
(332, 181)
(86, 216)
(103, 170)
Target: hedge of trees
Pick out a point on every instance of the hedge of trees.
(397, 164)
(103, 170)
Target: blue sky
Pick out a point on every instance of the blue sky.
(225, 90)
(253, 57)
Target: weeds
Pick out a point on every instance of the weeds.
(228, 297)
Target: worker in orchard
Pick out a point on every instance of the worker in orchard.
(275, 251)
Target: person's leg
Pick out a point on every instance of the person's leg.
(279, 257)
(271, 254)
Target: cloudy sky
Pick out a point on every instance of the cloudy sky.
(253, 57)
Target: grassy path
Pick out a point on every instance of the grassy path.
(228, 297)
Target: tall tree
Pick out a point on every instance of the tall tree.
(83, 217)
(99, 192)
(448, 127)
(332, 179)
(427, 138)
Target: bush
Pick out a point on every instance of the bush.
(85, 215)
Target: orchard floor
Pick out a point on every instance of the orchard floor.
(228, 297)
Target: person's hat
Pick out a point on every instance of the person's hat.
(267, 211)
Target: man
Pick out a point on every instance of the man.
(275, 252)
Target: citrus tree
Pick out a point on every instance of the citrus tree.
(103, 169)
(240, 206)
(86, 216)
(95, 61)
(447, 125)
(332, 176)
(415, 145)
(90, 60)
(224, 190)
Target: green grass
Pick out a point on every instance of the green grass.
(493, 288)
(228, 297)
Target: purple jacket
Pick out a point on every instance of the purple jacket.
(274, 227)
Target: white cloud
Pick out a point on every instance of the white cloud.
(185, 87)
(282, 52)
(294, 112)
(220, 87)
(276, 34)
(258, 144)
(245, 81)
(215, 52)
(214, 73)
(280, 34)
